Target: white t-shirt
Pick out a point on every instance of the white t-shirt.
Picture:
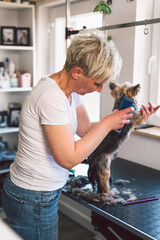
(34, 167)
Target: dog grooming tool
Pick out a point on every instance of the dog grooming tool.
(126, 102)
(141, 200)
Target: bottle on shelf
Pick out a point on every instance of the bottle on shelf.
(11, 68)
(1, 79)
(14, 80)
(6, 81)
(6, 65)
(2, 68)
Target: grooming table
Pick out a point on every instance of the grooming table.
(131, 222)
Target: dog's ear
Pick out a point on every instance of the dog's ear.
(136, 89)
(112, 86)
(114, 89)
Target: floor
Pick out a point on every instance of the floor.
(68, 229)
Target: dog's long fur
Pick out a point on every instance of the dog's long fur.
(100, 160)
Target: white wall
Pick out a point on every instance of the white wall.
(143, 150)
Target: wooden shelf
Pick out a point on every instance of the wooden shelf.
(153, 132)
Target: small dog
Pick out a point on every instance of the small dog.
(100, 160)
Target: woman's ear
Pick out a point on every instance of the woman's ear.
(77, 72)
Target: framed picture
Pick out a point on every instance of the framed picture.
(23, 36)
(13, 117)
(3, 119)
(8, 36)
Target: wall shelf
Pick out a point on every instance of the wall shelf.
(15, 48)
(9, 130)
(19, 89)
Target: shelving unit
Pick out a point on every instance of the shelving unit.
(16, 15)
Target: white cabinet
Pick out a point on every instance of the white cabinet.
(17, 15)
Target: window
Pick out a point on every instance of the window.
(154, 66)
(93, 20)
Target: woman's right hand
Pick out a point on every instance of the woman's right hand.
(118, 118)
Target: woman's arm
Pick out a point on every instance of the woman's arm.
(84, 124)
(68, 153)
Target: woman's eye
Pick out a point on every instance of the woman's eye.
(97, 84)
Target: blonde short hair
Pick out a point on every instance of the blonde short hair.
(97, 57)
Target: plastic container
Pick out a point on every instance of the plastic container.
(14, 81)
(2, 68)
(6, 81)
(11, 68)
(1, 79)
(7, 65)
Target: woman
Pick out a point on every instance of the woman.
(52, 113)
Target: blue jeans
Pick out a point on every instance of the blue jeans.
(32, 214)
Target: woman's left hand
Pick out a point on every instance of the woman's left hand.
(148, 111)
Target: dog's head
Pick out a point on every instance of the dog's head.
(119, 91)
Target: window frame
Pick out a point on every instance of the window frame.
(154, 66)
(90, 101)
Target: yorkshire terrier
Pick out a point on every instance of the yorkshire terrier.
(100, 160)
